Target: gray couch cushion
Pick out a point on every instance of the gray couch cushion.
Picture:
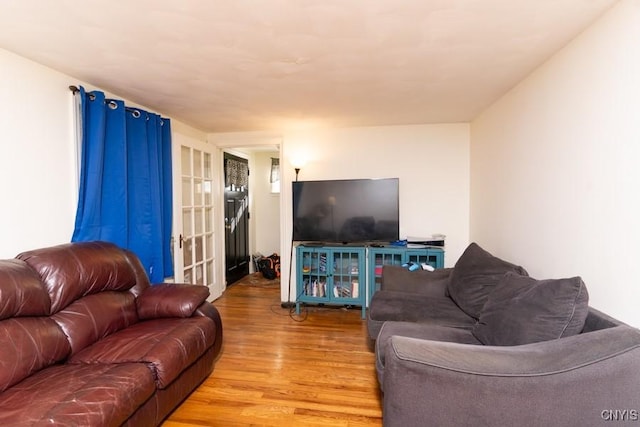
(409, 307)
(417, 330)
(474, 276)
(522, 310)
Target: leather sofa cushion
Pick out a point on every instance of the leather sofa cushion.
(78, 395)
(96, 316)
(73, 270)
(21, 292)
(474, 276)
(170, 300)
(167, 346)
(522, 310)
(28, 345)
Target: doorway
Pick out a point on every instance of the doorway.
(236, 217)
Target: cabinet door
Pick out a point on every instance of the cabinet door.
(346, 277)
(314, 274)
(434, 258)
(378, 258)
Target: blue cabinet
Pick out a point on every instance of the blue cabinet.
(331, 275)
(397, 255)
(350, 275)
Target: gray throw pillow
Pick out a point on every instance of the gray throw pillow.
(523, 310)
(474, 276)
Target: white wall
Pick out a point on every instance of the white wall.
(37, 158)
(266, 205)
(431, 161)
(555, 166)
(38, 165)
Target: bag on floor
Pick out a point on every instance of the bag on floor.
(270, 266)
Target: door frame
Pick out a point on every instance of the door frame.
(232, 144)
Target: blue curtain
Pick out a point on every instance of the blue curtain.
(125, 192)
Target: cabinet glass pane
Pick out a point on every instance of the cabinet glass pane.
(314, 287)
(429, 259)
(382, 259)
(345, 287)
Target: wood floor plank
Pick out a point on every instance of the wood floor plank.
(280, 369)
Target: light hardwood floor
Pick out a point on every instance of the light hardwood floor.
(280, 370)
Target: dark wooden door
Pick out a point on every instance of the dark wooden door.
(236, 218)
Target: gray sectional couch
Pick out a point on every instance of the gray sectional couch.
(484, 344)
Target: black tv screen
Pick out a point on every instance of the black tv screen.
(346, 211)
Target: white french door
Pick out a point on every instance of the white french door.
(196, 195)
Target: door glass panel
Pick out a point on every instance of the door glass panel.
(209, 247)
(185, 161)
(199, 275)
(197, 163)
(188, 256)
(197, 194)
(198, 221)
(186, 192)
(207, 165)
(207, 188)
(208, 218)
(186, 222)
(199, 248)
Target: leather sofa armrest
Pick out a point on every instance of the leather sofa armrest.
(568, 381)
(170, 300)
(400, 279)
(207, 309)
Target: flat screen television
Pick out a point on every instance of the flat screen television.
(346, 211)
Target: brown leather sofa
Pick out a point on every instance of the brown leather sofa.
(85, 340)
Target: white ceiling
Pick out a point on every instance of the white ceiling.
(242, 65)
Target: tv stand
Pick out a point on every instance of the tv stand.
(348, 274)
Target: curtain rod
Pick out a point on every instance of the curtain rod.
(135, 111)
